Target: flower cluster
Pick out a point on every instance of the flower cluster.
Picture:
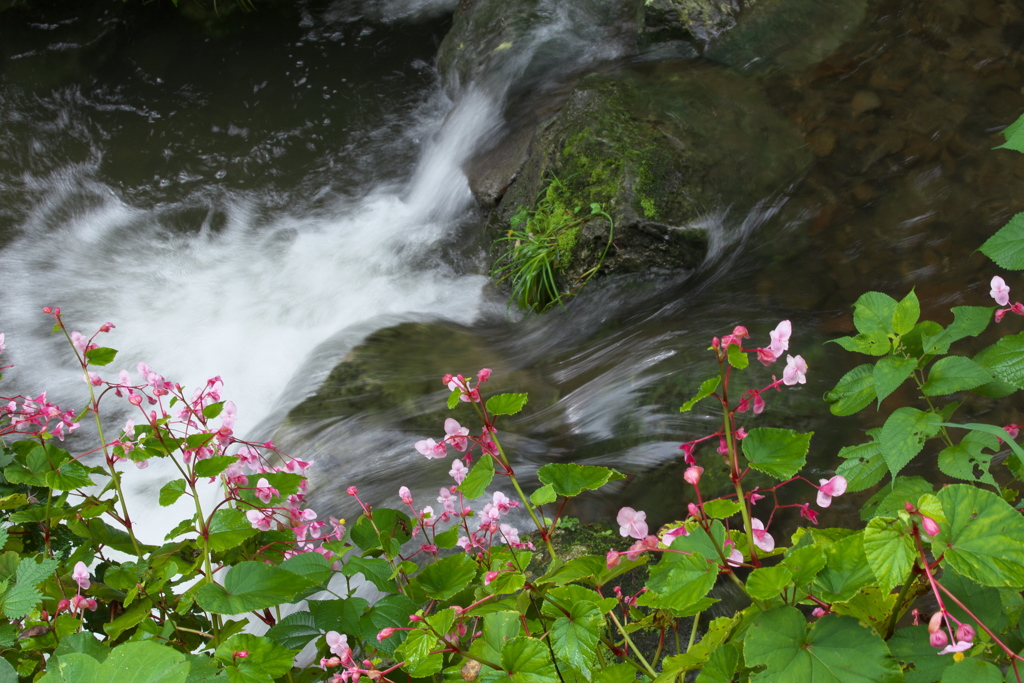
(1001, 293)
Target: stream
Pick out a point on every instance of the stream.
(256, 197)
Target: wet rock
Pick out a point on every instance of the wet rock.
(695, 21)
(865, 101)
(659, 148)
(792, 34)
(822, 142)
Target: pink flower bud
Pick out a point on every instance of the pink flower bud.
(938, 639)
(692, 474)
(484, 374)
(491, 576)
(935, 623)
(965, 633)
(611, 559)
(416, 617)
(931, 527)
(740, 332)
(47, 309)
(63, 606)
(352, 491)
(241, 654)
(693, 510)
(385, 633)
(818, 612)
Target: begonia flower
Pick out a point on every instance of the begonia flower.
(795, 372)
(931, 527)
(672, 534)
(692, 474)
(965, 633)
(1000, 291)
(808, 513)
(762, 539)
(81, 576)
(836, 486)
(960, 646)
(429, 448)
(455, 434)
(458, 471)
(405, 495)
(264, 491)
(632, 523)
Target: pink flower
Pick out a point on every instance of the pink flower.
(758, 404)
(264, 491)
(631, 523)
(1013, 430)
(259, 519)
(965, 633)
(687, 449)
(405, 495)
(428, 448)
(483, 375)
(672, 534)
(735, 558)
(762, 539)
(836, 486)
(2, 344)
(960, 646)
(338, 643)
(808, 513)
(611, 559)
(931, 527)
(385, 633)
(818, 612)
(81, 576)
(1000, 292)
(692, 475)
(458, 471)
(455, 434)
(780, 338)
(766, 356)
(795, 372)
(82, 602)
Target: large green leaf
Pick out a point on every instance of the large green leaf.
(524, 660)
(973, 671)
(1005, 359)
(906, 315)
(922, 662)
(171, 492)
(229, 528)
(416, 651)
(721, 666)
(873, 312)
(339, 615)
(376, 570)
(575, 637)
(952, 374)
(249, 586)
(889, 373)
(295, 630)
(72, 668)
(863, 465)
(968, 321)
(570, 479)
(984, 540)
(983, 602)
(892, 498)
(855, 391)
(393, 611)
(1006, 247)
(144, 662)
(499, 627)
(506, 404)
(835, 649)
(767, 582)
(780, 453)
(678, 581)
(24, 595)
(478, 479)
(967, 459)
(265, 658)
(846, 570)
(69, 476)
(890, 551)
(446, 577)
(903, 435)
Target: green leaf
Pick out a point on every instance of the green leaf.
(24, 596)
(767, 582)
(1013, 133)
(419, 663)
(967, 460)
(891, 499)
(544, 495)
(82, 642)
(392, 528)
(171, 491)
(377, 571)
(889, 373)
(854, 392)
(846, 570)
(339, 615)
(863, 465)
(721, 666)
(903, 436)
(213, 410)
(314, 568)
(707, 388)
(835, 649)
(575, 637)
(129, 619)
(100, 356)
(446, 577)
(804, 563)
(1006, 247)
(390, 611)
(199, 440)
(952, 374)
(295, 630)
(982, 601)
(721, 509)
(890, 551)
(968, 321)
(1005, 360)
(737, 358)
(162, 664)
(678, 581)
(973, 671)
(906, 314)
(478, 479)
(70, 476)
(526, 660)
(211, 467)
(499, 627)
(447, 539)
(71, 668)
(229, 528)
(570, 479)
(266, 658)
(249, 586)
(922, 662)
(874, 344)
(780, 453)
(506, 404)
(873, 313)
(984, 540)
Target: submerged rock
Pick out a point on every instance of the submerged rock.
(658, 147)
(694, 21)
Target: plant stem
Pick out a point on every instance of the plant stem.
(523, 497)
(632, 646)
(693, 632)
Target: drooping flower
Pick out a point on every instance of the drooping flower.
(264, 491)
(795, 372)
(405, 495)
(259, 519)
(836, 486)
(780, 338)
(672, 534)
(455, 434)
(808, 513)
(458, 471)
(338, 643)
(632, 523)
(1000, 291)
(692, 474)
(429, 448)
(81, 576)
(960, 646)
(762, 539)
(965, 633)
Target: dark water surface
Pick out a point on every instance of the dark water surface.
(253, 197)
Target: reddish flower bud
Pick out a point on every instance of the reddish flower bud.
(611, 559)
(241, 654)
(385, 633)
(692, 474)
(935, 623)
(931, 527)
(693, 510)
(965, 633)
(352, 491)
(938, 639)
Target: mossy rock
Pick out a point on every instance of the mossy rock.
(659, 147)
(695, 21)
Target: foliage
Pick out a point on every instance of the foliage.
(539, 249)
(463, 595)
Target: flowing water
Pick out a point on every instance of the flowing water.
(252, 198)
